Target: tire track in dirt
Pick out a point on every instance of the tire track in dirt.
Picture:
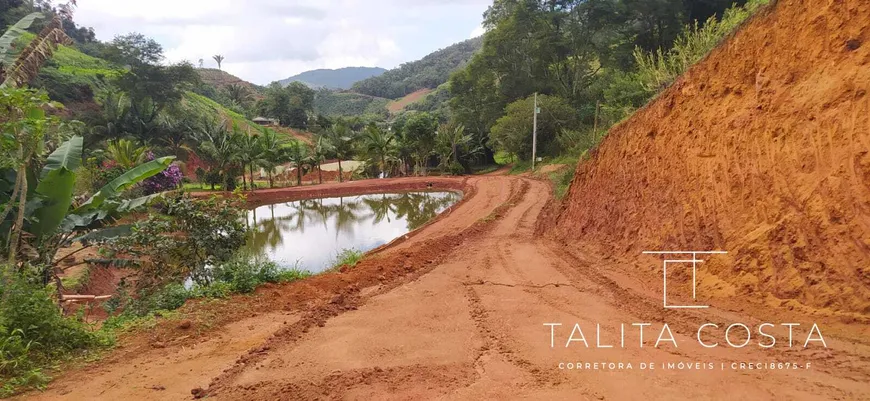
(437, 249)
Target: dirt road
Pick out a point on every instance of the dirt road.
(457, 311)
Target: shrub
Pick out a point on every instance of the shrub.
(182, 239)
(455, 168)
(34, 333)
(166, 180)
(244, 273)
(347, 257)
(511, 132)
(658, 70)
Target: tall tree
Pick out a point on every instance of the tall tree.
(341, 139)
(321, 150)
(219, 59)
(298, 155)
(379, 145)
(289, 105)
(273, 152)
(419, 132)
(249, 152)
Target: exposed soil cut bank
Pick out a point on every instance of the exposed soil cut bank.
(763, 150)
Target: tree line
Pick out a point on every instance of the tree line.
(593, 62)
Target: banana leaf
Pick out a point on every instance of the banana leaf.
(105, 234)
(12, 34)
(56, 187)
(68, 156)
(126, 180)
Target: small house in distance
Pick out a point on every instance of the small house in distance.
(266, 122)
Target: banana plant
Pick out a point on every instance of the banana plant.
(17, 70)
(54, 221)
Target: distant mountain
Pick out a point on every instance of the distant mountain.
(426, 73)
(342, 78)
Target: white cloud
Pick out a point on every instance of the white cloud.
(480, 30)
(266, 40)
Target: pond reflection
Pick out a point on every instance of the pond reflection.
(308, 234)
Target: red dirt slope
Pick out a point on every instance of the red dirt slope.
(763, 150)
(399, 104)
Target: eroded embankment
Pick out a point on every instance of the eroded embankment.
(763, 150)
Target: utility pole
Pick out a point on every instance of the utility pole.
(535, 133)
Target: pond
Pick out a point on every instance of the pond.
(309, 234)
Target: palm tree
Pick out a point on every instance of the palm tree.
(379, 145)
(218, 146)
(239, 94)
(273, 152)
(341, 137)
(219, 59)
(297, 154)
(249, 152)
(126, 153)
(322, 148)
(450, 141)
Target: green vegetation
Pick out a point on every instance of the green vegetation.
(34, 336)
(331, 103)
(342, 78)
(592, 64)
(659, 69)
(291, 105)
(348, 258)
(429, 72)
(241, 274)
(71, 178)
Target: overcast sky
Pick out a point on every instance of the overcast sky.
(268, 40)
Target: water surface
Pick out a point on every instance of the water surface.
(308, 234)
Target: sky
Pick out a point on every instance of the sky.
(267, 40)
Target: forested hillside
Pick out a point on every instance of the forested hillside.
(342, 78)
(592, 62)
(338, 103)
(428, 72)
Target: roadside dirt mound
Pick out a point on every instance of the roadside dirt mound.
(762, 150)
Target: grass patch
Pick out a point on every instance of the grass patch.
(347, 257)
(34, 337)
(520, 167)
(76, 281)
(485, 169)
(561, 182)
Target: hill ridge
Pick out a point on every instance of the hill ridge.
(339, 78)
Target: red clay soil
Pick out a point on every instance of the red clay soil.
(291, 133)
(762, 150)
(397, 105)
(457, 310)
